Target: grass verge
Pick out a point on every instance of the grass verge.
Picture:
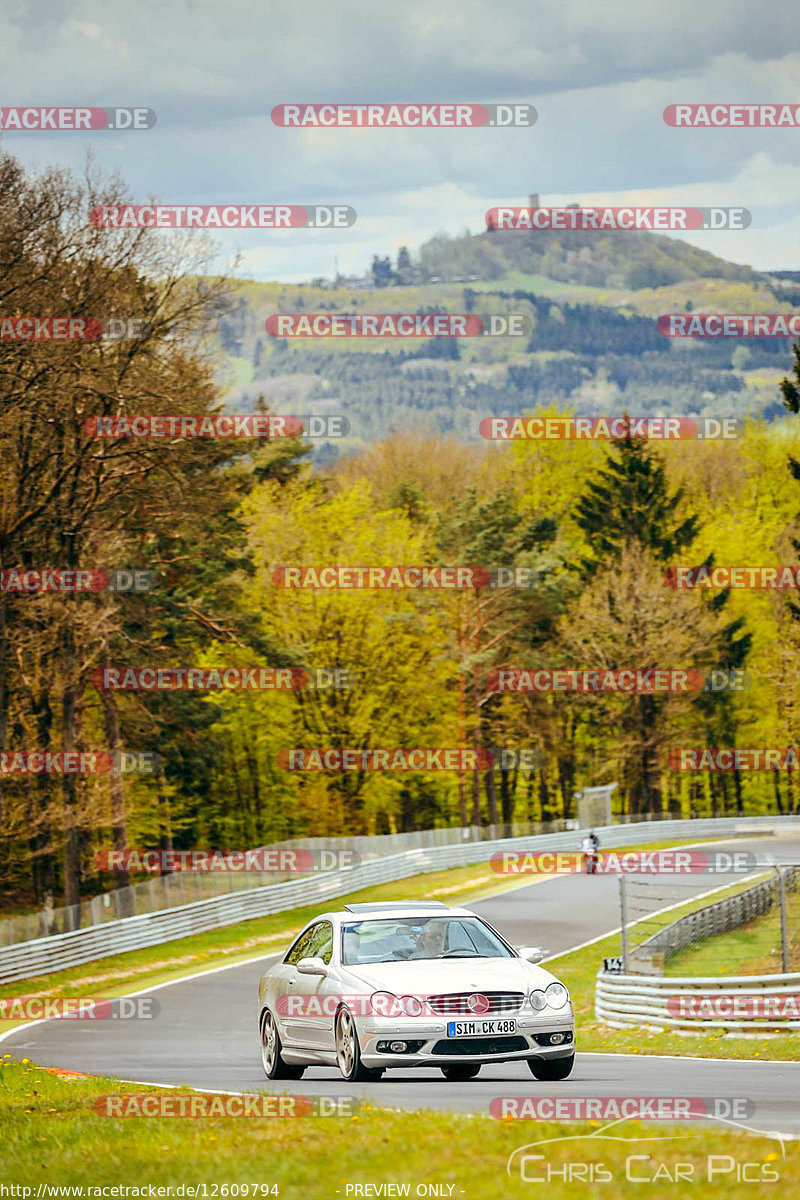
(51, 1134)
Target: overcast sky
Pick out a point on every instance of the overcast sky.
(599, 73)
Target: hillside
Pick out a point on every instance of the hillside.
(616, 260)
(589, 304)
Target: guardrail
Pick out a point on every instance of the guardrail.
(174, 889)
(644, 1002)
(60, 951)
(710, 921)
(180, 887)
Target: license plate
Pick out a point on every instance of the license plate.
(456, 1029)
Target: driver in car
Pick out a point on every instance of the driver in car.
(431, 940)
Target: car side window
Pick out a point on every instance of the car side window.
(321, 944)
(300, 948)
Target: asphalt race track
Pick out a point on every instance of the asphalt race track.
(205, 1035)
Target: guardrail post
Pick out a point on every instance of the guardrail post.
(784, 934)
(623, 915)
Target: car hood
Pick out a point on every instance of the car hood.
(430, 977)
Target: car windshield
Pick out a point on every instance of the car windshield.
(419, 937)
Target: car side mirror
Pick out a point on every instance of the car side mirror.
(531, 953)
(311, 966)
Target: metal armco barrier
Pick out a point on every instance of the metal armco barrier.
(42, 955)
(642, 1002)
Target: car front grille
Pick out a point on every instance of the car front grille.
(457, 1003)
(484, 1045)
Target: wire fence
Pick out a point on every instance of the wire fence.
(654, 944)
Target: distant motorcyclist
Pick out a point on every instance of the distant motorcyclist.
(591, 847)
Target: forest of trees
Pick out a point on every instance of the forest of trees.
(597, 525)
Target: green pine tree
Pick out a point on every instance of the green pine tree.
(629, 502)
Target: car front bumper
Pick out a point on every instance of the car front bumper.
(427, 1042)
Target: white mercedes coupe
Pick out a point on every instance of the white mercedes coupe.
(411, 985)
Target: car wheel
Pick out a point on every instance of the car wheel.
(459, 1071)
(275, 1067)
(554, 1068)
(348, 1050)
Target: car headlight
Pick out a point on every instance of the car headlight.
(557, 995)
(385, 1004)
(538, 1000)
(411, 1006)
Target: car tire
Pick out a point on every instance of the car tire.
(348, 1051)
(273, 1062)
(458, 1072)
(551, 1069)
